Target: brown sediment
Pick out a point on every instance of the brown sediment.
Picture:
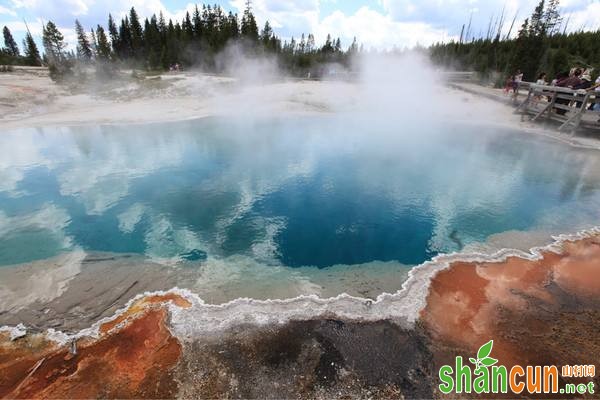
(540, 312)
(142, 305)
(19, 358)
(132, 360)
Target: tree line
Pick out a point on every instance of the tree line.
(10, 54)
(157, 44)
(541, 45)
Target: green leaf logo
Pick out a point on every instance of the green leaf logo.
(485, 350)
(483, 359)
(489, 361)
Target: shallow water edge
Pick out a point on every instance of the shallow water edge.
(531, 304)
(402, 306)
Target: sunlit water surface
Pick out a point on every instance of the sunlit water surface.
(301, 192)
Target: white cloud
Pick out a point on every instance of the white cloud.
(440, 11)
(584, 18)
(55, 7)
(4, 10)
(452, 14)
(35, 27)
(89, 12)
(374, 29)
(290, 18)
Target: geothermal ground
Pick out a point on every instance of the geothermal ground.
(540, 308)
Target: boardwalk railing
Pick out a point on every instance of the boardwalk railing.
(458, 76)
(565, 105)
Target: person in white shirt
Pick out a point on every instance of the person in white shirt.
(541, 79)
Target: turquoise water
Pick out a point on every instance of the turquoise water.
(310, 191)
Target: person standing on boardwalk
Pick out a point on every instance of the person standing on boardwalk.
(517, 79)
(586, 83)
(570, 82)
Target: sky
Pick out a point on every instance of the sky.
(380, 24)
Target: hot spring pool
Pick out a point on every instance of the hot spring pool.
(323, 193)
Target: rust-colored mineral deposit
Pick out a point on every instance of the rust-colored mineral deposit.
(133, 358)
(543, 312)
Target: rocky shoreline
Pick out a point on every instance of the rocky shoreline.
(539, 310)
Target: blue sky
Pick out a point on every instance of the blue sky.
(380, 24)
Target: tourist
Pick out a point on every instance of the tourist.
(559, 77)
(541, 79)
(586, 83)
(572, 81)
(508, 84)
(518, 78)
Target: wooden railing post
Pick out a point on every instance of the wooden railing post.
(551, 107)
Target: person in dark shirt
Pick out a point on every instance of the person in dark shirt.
(570, 82)
(559, 77)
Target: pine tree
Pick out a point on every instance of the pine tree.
(125, 50)
(338, 46)
(162, 28)
(537, 26)
(136, 35)
(94, 43)
(552, 18)
(84, 49)
(32, 54)
(197, 22)
(302, 45)
(524, 31)
(310, 43)
(103, 48)
(171, 55)
(249, 27)
(152, 42)
(233, 26)
(267, 33)
(59, 62)
(328, 46)
(54, 44)
(9, 42)
(210, 25)
(188, 28)
(114, 34)
(353, 49)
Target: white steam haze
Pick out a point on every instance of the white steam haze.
(402, 88)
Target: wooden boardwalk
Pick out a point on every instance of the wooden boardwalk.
(570, 108)
(567, 109)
